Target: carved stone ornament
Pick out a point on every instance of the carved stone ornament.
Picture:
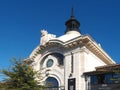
(45, 37)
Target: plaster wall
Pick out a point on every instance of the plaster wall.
(83, 61)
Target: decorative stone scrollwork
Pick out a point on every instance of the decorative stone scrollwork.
(45, 37)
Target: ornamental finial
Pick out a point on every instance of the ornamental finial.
(72, 13)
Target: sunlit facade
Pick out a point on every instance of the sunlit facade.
(64, 60)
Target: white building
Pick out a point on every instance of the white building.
(64, 59)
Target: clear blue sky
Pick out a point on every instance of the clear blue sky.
(22, 20)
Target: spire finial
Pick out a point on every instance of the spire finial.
(72, 14)
(72, 24)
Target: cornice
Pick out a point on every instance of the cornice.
(80, 41)
(41, 48)
(97, 50)
(28, 60)
(91, 45)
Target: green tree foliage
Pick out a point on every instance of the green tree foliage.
(21, 76)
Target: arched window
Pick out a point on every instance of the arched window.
(52, 82)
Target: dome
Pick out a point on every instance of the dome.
(69, 35)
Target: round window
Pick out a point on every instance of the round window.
(49, 63)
